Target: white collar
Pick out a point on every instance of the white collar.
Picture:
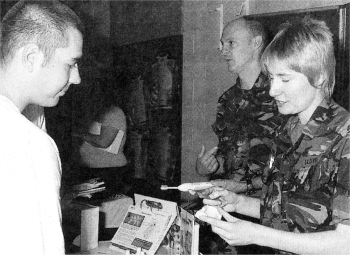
(9, 103)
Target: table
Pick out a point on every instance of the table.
(103, 248)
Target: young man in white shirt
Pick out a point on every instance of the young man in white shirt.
(40, 44)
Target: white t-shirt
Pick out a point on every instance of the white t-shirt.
(30, 174)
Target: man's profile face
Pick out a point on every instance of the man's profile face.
(238, 47)
(60, 72)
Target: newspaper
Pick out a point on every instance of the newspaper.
(145, 225)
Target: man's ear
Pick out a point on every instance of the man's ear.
(257, 42)
(31, 57)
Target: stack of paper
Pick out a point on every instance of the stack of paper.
(89, 187)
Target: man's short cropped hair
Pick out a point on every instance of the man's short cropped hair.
(44, 23)
(256, 28)
(305, 46)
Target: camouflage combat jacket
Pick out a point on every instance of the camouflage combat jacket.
(243, 116)
(307, 187)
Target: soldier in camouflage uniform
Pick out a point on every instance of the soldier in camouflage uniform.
(245, 124)
(247, 116)
(304, 207)
(307, 183)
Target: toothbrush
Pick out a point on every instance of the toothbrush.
(189, 186)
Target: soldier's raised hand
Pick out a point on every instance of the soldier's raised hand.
(206, 161)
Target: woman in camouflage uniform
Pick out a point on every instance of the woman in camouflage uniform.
(304, 207)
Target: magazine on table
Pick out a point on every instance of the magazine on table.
(158, 227)
(145, 225)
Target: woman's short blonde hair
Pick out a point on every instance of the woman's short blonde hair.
(305, 46)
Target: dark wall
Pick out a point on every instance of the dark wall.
(137, 21)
